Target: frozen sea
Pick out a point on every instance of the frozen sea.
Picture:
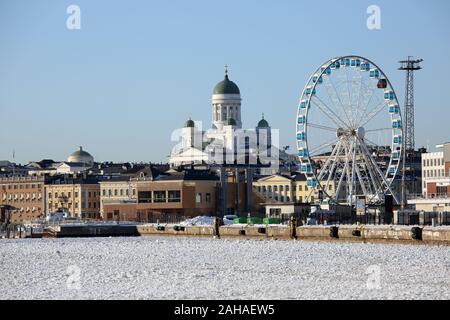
(195, 268)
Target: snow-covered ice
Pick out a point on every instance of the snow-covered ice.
(199, 268)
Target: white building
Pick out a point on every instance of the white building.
(225, 141)
(435, 181)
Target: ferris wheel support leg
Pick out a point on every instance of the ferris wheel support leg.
(383, 179)
(333, 167)
(338, 189)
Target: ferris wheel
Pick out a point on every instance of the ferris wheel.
(349, 132)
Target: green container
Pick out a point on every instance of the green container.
(254, 220)
(271, 221)
(239, 220)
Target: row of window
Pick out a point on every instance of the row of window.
(90, 194)
(20, 186)
(90, 205)
(118, 192)
(159, 196)
(433, 162)
(22, 196)
(199, 198)
(434, 173)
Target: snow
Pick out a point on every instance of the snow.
(198, 221)
(202, 268)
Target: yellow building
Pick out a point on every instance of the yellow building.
(79, 197)
(286, 189)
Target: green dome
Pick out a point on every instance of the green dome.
(189, 124)
(263, 123)
(226, 87)
(231, 122)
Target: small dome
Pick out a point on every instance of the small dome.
(81, 156)
(231, 122)
(263, 123)
(189, 124)
(226, 86)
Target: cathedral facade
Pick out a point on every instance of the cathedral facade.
(225, 142)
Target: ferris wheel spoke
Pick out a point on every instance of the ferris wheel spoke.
(358, 110)
(364, 112)
(334, 119)
(340, 101)
(349, 97)
(372, 143)
(344, 169)
(385, 182)
(333, 166)
(372, 172)
(337, 117)
(312, 152)
(377, 130)
(374, 113)
(318, 126)
(327, 163)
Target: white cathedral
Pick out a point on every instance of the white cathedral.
(225, 141)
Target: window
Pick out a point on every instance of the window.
(95, 205)
(275, 188)
(115, 192)
(89, 194)
(134, 192)
(76, 194)
(145, 197)
(294, 188)
(127, 192)
(208, 198)
(56, 195)
(76, 205)
(121, 192)
(330, 187)
(159, 196)
(89, 205)
(104, 192)
(109, 192)
(300, 188)
(198, 198)
(174, 196)
(287, 188)
(95, 194)
(69, 194)
(281, 188)
(270, 188)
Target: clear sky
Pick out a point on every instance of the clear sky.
(138, 69)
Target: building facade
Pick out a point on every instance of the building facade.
(288, 189)
(23, 197)
(435, 181)
(119, 191)
(80, 197)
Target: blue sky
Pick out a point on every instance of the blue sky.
(138, 69)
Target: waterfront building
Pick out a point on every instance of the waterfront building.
(117, 191)
(22, 197)
(291, 188)
(435, 181)
(79, 196)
